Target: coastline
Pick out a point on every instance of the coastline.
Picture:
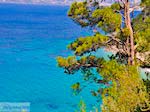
(38, 4)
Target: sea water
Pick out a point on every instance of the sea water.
(31, 37)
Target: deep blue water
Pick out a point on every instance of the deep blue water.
(31, 37)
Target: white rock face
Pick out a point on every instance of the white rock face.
(38, 1)
(58, 2)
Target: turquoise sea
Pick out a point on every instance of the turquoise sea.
(31, 37)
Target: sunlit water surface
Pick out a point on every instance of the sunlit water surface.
(31, 37)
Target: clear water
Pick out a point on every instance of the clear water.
(31, 37)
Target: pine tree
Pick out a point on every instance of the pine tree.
(128, 37)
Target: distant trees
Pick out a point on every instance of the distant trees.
(129, 40)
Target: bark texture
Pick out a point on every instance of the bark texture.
(130, 39)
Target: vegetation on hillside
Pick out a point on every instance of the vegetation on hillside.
(129, 40)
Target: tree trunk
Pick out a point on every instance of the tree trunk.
(130, 40)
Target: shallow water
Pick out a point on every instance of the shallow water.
(31, 37)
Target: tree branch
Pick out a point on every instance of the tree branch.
(112, 38)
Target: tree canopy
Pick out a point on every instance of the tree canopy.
(127, 37)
